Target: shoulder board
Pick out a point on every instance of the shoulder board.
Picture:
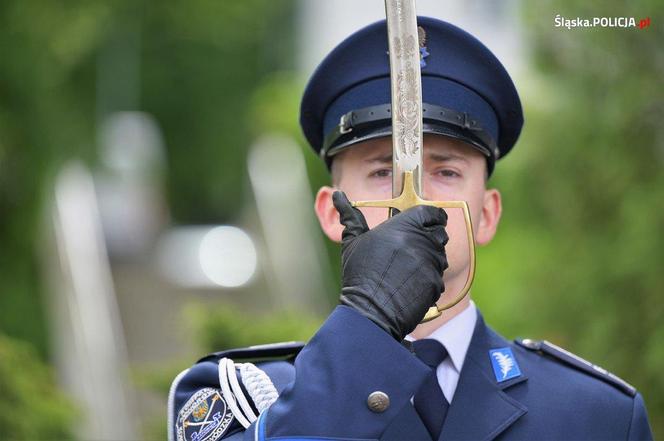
(547, 348)
(282, 351)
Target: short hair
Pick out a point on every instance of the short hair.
(335, 171)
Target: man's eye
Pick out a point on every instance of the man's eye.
(447, 173)
(382, 173)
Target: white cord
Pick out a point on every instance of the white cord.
(227, 394)
(258, 384)
(239, 395)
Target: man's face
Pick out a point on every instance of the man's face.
(453, 171)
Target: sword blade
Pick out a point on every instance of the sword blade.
(406, 90)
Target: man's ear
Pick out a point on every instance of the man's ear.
(491, 210)
(328, 216)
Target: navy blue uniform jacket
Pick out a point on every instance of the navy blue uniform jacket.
(324, 394)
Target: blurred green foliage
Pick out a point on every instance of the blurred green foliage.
(227, 327)
(201, 62)
(65, 66)
(578, 257)
(31, 407)
(46, 114)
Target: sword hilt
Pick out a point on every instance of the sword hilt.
(408, 199)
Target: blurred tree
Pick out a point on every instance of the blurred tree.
(202, 62)
(64, 67)
(579, 255)
(31, 407)
(46, 115)
(225, 327)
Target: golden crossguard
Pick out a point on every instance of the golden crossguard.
(409, 198)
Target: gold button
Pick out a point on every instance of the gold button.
(378, 401)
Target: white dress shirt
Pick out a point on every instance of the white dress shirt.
(455, 335)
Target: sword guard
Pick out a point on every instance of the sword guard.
(409, 198)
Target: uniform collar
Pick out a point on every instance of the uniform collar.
(456, 334)
(482, 408)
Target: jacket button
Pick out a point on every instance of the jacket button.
(378, 401)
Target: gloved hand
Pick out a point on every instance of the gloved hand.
(392, 274)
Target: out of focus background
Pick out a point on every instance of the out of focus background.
(156, 194)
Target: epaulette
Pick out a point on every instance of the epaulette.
(560, 354)
(279, 351)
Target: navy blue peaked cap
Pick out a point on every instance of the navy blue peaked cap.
(466, 92)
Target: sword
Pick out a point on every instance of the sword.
(407, 161)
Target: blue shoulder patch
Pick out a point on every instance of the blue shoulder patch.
(504, 364)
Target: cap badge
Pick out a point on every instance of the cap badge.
(504, 364)
(422, 37)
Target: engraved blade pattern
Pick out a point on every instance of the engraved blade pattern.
(406, 89)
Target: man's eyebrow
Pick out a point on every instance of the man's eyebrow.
(384, 159)
(440, 157)
(446, 157)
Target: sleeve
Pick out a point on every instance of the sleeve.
(217, 398)
(197, 408)
(639, 429)
(349, 360)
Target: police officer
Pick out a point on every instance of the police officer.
(373, 371)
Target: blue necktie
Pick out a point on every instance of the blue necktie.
(429, 401)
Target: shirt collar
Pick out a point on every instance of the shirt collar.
(456, 334)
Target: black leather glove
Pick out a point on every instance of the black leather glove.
(392, 274)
